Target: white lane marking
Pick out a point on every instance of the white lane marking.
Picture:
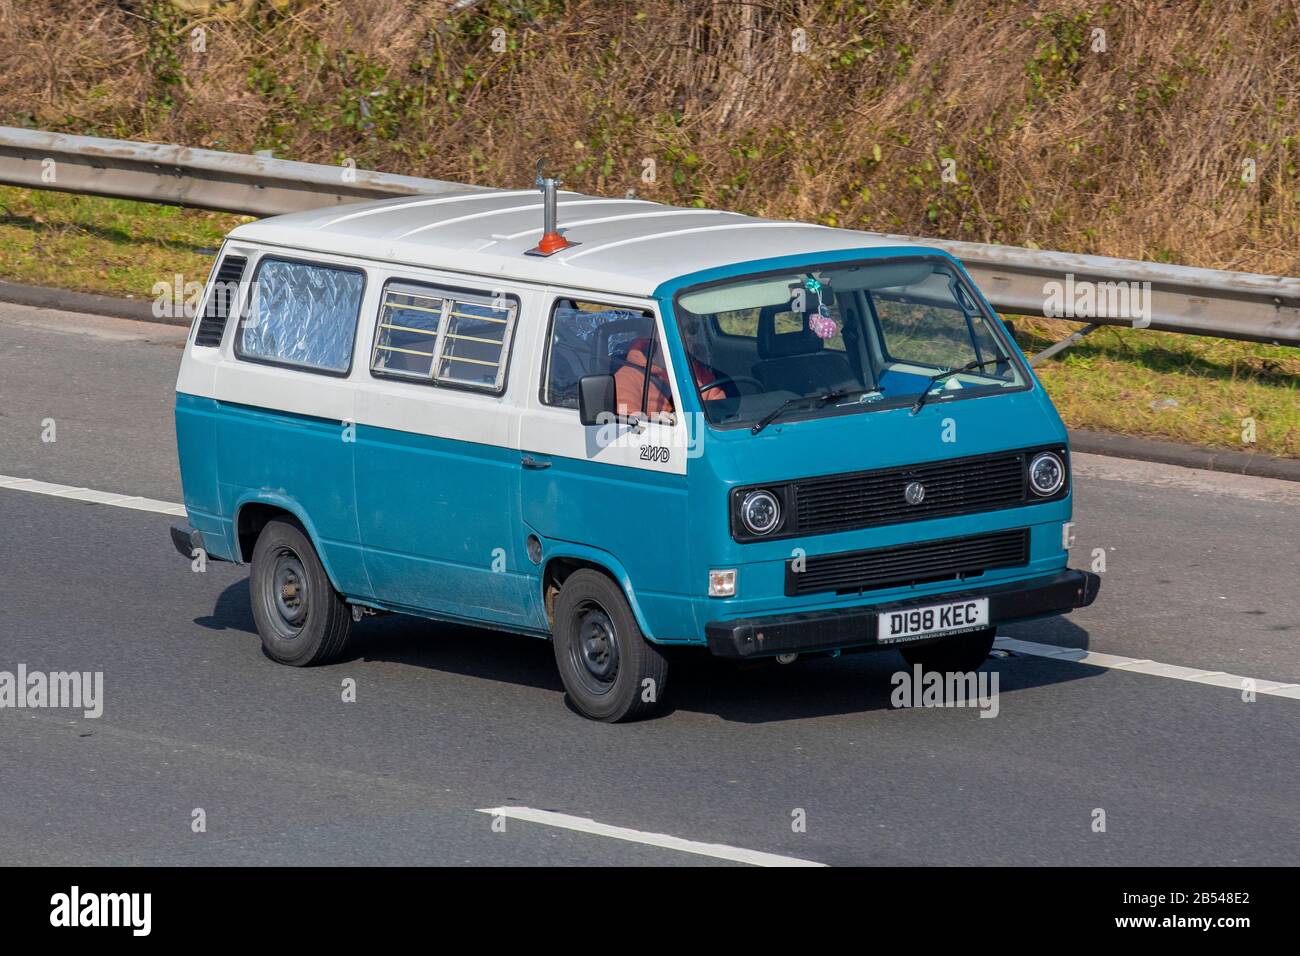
(584, 825)
(91, 496)
(1196, 675)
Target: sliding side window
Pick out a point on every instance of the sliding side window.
(444, 336)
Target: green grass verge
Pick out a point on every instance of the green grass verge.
(1121, 380)
(1108, 382)
(104, 245)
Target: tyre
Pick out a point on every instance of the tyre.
(302, 620)
(962, 652)
(612, 673)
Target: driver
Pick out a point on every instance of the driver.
(630, 379)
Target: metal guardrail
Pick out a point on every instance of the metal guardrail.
(202, 178)
(1234, 305)
(1230, 305)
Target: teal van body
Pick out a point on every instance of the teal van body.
(471, 492)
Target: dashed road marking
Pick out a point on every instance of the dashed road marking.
(1196, 675)
(91, 496)
(718, 851)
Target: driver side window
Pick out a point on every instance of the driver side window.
(589, 338)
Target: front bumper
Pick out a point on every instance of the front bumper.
(856, 626)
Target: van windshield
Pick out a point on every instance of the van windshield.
(842, 338)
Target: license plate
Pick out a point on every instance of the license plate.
(954, 617)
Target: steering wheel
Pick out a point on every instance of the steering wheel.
(722, 380)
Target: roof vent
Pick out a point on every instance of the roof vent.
(551, 242)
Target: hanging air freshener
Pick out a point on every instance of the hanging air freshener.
(822, 325)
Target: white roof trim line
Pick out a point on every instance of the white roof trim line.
(423, 201)
(501, 212)
(682, 232)
(603, 219)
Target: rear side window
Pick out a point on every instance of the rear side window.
(592, 339)
(301, 315)
(444, 336)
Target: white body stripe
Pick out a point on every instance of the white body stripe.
(517, 419)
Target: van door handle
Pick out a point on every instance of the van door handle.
(529, 461)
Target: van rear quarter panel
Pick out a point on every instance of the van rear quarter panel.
(196, 448)
(300, 462)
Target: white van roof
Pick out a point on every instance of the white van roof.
(627, 246)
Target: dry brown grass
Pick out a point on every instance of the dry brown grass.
(1134, 152)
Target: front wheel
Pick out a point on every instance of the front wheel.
(302, 620)
(959, 653)
(612, 673)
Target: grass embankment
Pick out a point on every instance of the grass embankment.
(1108, 382)
(104, 245)
(1126, 380)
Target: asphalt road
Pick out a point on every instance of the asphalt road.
(1201, 572)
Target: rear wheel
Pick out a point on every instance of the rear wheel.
(610, 670)
(302, 620)
(962, 652)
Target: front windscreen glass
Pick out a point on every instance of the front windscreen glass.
(836, 339)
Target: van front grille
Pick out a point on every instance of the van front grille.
(853, 572)
(871, 498)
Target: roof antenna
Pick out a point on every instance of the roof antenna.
(551, 242)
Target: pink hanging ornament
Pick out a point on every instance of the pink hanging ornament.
(823, 326)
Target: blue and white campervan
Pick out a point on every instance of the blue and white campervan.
(656, 426)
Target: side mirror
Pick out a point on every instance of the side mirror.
(596, 396)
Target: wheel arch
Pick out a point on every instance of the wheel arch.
(565, 559)
(252, 514)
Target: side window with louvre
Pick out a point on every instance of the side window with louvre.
(444, 336)
(220, 301)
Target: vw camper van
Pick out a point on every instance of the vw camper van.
(645, 427)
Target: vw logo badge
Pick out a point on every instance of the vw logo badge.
(914, 492)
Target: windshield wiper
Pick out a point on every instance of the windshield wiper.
(940, 376)
(825, 398)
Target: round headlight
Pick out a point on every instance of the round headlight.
(760, 512)
(1046, 474)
